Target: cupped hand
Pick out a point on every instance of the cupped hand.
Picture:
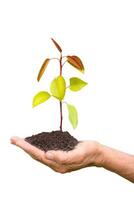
(85, 154)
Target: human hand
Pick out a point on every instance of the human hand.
(85, 154)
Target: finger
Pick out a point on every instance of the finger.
(30, 149)
(20, 142)
(14, 139)
(34, 152)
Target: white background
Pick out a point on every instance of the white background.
(101, 32)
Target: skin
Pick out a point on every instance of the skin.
(86, 154)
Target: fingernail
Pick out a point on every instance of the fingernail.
(49, 155)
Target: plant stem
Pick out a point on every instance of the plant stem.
(61, 115)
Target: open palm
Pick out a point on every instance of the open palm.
(85, 154)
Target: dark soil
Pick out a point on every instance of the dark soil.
(55, 140)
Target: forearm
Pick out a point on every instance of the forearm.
(116, 161)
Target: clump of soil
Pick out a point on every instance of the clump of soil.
(55, 140)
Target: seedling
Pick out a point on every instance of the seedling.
(58, 86)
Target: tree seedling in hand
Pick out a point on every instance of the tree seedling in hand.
(58, 86)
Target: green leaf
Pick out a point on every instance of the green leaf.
(58, 87)
(40, 97)
(72, 115)
(76, 84)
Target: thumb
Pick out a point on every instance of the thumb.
(57, 156)
(50, 155)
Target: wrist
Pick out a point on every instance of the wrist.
(99, 156)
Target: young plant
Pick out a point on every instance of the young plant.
(58, 85)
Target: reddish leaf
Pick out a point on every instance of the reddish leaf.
(76, 62)
(42, 69)
(57, 45)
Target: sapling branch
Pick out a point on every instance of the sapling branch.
(60, 60)
(54, 59)
(64, 63)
